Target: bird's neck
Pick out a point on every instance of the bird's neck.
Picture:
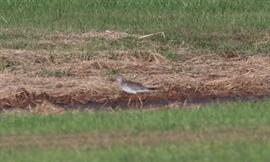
(120, 82)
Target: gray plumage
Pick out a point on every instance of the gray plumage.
(131, 87)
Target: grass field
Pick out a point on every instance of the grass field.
(217, 116)
(223, 132)
(223, 26)
(58, 51)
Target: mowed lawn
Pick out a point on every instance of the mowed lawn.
(218, 132)
(238, 26)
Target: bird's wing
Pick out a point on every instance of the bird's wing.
(136, 85)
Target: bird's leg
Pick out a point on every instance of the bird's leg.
(129, 100)
(140, 101)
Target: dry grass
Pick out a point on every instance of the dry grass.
(77, 38)
(38, 76)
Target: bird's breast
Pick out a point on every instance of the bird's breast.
(128, 89)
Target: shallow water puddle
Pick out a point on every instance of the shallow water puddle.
(122, 104)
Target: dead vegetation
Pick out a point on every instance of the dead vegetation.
(31, 78)
(77, 38)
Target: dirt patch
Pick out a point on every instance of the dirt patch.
(101, 140)
(29, 79)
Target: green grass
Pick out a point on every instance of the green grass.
(219, 132)
(54, 73)
(237, 115)
(216, 25)
(201, 151)
(140, 16)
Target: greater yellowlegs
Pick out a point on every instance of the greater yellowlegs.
(133, 88)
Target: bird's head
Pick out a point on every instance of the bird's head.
(119, 79)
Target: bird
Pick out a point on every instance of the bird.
(133, 88)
